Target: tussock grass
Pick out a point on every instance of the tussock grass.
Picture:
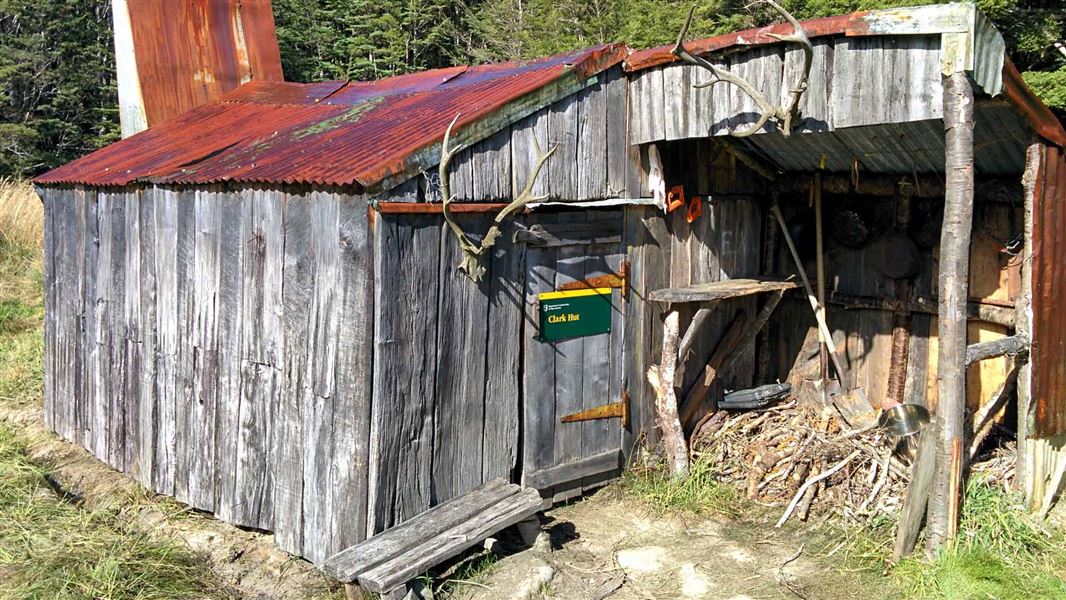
(51, 546)
(21, 215)
(1001, 552)
(700, 493)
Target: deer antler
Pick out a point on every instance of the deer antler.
(767, 109)
(473, 254)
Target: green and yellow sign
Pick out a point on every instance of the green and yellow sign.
(574, 313)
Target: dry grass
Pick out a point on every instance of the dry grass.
(51, 545)
(21, 215)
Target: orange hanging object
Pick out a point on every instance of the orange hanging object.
(695, 209)
(676, 198)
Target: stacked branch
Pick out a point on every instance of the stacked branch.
(806, 462)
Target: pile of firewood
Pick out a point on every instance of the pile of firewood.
(802, 460)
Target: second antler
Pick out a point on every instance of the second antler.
(767, 109)
(473, 261)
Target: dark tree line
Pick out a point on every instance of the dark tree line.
(57, 83)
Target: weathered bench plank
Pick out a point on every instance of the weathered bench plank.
(348, 564)
(400, 569)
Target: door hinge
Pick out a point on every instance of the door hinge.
(614, 410)
(618, 280)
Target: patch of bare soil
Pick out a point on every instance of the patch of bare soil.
(247, 562)
(611, 546)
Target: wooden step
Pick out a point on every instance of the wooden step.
(392, 558)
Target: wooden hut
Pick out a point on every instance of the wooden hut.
(257, 307)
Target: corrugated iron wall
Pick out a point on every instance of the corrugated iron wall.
(191, 52)
(1049, 288)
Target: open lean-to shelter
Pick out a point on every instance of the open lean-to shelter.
(259, 307)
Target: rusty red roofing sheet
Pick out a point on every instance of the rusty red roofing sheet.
(1048, 353)
(653, 57)
(328, 133)
(191, 52)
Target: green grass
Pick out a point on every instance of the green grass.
(51, 546)
(700, 493)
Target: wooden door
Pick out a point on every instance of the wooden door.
(571, 375)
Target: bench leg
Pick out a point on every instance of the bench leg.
(413, 590)
(529, 530)
(353, 591)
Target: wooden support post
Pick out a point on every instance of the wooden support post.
(661, 378)
(953, 285)
(1022, 327)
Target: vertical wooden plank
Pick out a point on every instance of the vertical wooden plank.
(183, 399)
(858, 100)
(134, 343)
(49, 197)
(405, 348)
(288, 447)
(491, 167)
(349, 466)
(618, 161)
(646, 113)
(462, 312)
(202, 402)
(503, 356)
(677, 90)
(319, 411)
(88, 367)
(118, 410)
(600, 362)
(147, 383)
(67, 303)
(524, 152)
(98, 297)
(565, 123)
(538, 391)
(569, 371)
(262, 343)
(166, 327)
(234, 237)
(592, 152)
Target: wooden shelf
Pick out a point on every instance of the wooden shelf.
(720, 290)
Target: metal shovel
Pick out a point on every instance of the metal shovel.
(852, 402)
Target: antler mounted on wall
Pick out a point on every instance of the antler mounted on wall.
(473, 262)
(767, 109)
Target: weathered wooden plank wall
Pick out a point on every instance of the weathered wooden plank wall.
(215, 344)
(446, 373)
(853, 82)
(592, 161)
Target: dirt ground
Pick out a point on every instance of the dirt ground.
(611, 546)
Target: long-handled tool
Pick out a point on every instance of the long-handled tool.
(851, 401)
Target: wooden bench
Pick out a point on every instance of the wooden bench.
(386, 562)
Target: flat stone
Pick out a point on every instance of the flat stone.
(693, 584)
(646, 559)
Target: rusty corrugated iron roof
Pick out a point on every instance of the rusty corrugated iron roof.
(336, 133)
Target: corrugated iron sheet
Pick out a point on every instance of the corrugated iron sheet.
(328, 133)
(1048, 354)
(193, 51)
